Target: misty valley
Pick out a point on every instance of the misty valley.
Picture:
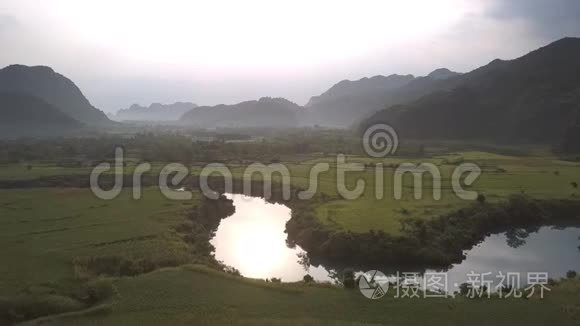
(445, 199)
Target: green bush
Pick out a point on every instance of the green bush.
(28, 307)
(89, 267)
(348, 279)
(100, 290)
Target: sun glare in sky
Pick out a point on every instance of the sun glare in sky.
(228, 51)
(251, 35)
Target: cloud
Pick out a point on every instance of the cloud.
(225, 56)
(7, 21)
(504, 29)
(547, 19)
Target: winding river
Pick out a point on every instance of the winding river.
(253, 241)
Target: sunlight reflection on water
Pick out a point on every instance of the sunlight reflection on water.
(253, 241)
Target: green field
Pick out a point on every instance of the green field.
(195, 296)
(539, 176)
(36, 170)
(45, 229)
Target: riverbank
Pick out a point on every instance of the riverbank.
(436, 242)
(63, 247)
(423, 241)
(191, 295)
(133, 239)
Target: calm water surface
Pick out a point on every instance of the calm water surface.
(550, 250)
(253, 241)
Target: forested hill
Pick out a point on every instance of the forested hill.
(350, 101)
(53, 88)
(26, 115)
(266, 112)
(535, 98)
(155, 112)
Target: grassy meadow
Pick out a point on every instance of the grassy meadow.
(193, 295)
(539, 176)
(43, 231)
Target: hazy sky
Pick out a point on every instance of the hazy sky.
(121, 52)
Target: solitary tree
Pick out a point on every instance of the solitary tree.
(464, 289)
(348, 279)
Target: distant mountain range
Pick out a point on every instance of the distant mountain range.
(266, 112)
(532, 99)
(343, 105)
(52, 88)
(348, 102)
(155, 112)
(535, 98)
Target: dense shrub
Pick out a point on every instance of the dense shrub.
(348, 279)
(28, 307)
(89, 267)
(436, 242)
(99, 290)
